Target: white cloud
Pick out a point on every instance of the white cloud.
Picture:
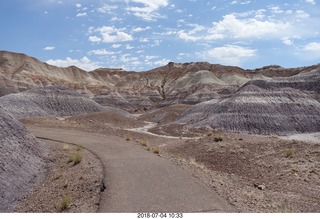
(287, 41)
(84, 14)
(140, 29)
(109, 35)
(313, 2)
(115, 19)
(228, 55)
(187, 36)
(233, 27)
(149, 9)
(161, 62)
(107, 9)
(83, 63)
(312, 47)
(151, 57)
(302, 14)
(100, 52)
(310, 52)
(49, 48)
(115, 46)
(94, 39)
(78, 5)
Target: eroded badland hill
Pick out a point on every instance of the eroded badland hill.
(227, 126)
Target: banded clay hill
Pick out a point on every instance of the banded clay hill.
(216, 122)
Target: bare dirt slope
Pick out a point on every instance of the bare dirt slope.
(278, 106)
(23, 162)
(58, 101)
(70, 186)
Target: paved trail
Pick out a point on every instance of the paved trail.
(139, 181)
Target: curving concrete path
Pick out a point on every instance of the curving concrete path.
(139, 181)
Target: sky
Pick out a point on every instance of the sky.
(139, 35)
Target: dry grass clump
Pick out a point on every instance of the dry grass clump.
(288, 153)
(66, 147)
(76, 158)
(144, 142)
(65, 203)
(156, 150)
(79, 147)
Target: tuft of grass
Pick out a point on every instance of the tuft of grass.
(217, 139)
(156, 150)
(288, 152)
(76, 158)
(65, 203)
(70, 159)
(144, 142)
(66, 147)
(79, 147)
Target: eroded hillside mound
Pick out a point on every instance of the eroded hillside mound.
(22, 162)
(279, 106)
(58, 101)
(174, 83)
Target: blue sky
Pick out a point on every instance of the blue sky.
(143, 34)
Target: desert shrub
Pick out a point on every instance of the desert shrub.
(288, 152)
(156, 150)
(79, 147)
(77, 157)
(70, 159)
(66, 147)
(217, 139)
(144, 142)
(65, 203)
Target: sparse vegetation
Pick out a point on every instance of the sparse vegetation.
(156, 150)
(76, 158)
(144, 142)
(79, 147)
(70, 159)
(65, 203)
(67, 147)
(288, 153)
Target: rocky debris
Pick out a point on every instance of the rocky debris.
(23, 162)
(279, 106)
(55, 101)
(259, 186)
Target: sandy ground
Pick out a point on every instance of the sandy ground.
(254, 173)
(309, 137)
